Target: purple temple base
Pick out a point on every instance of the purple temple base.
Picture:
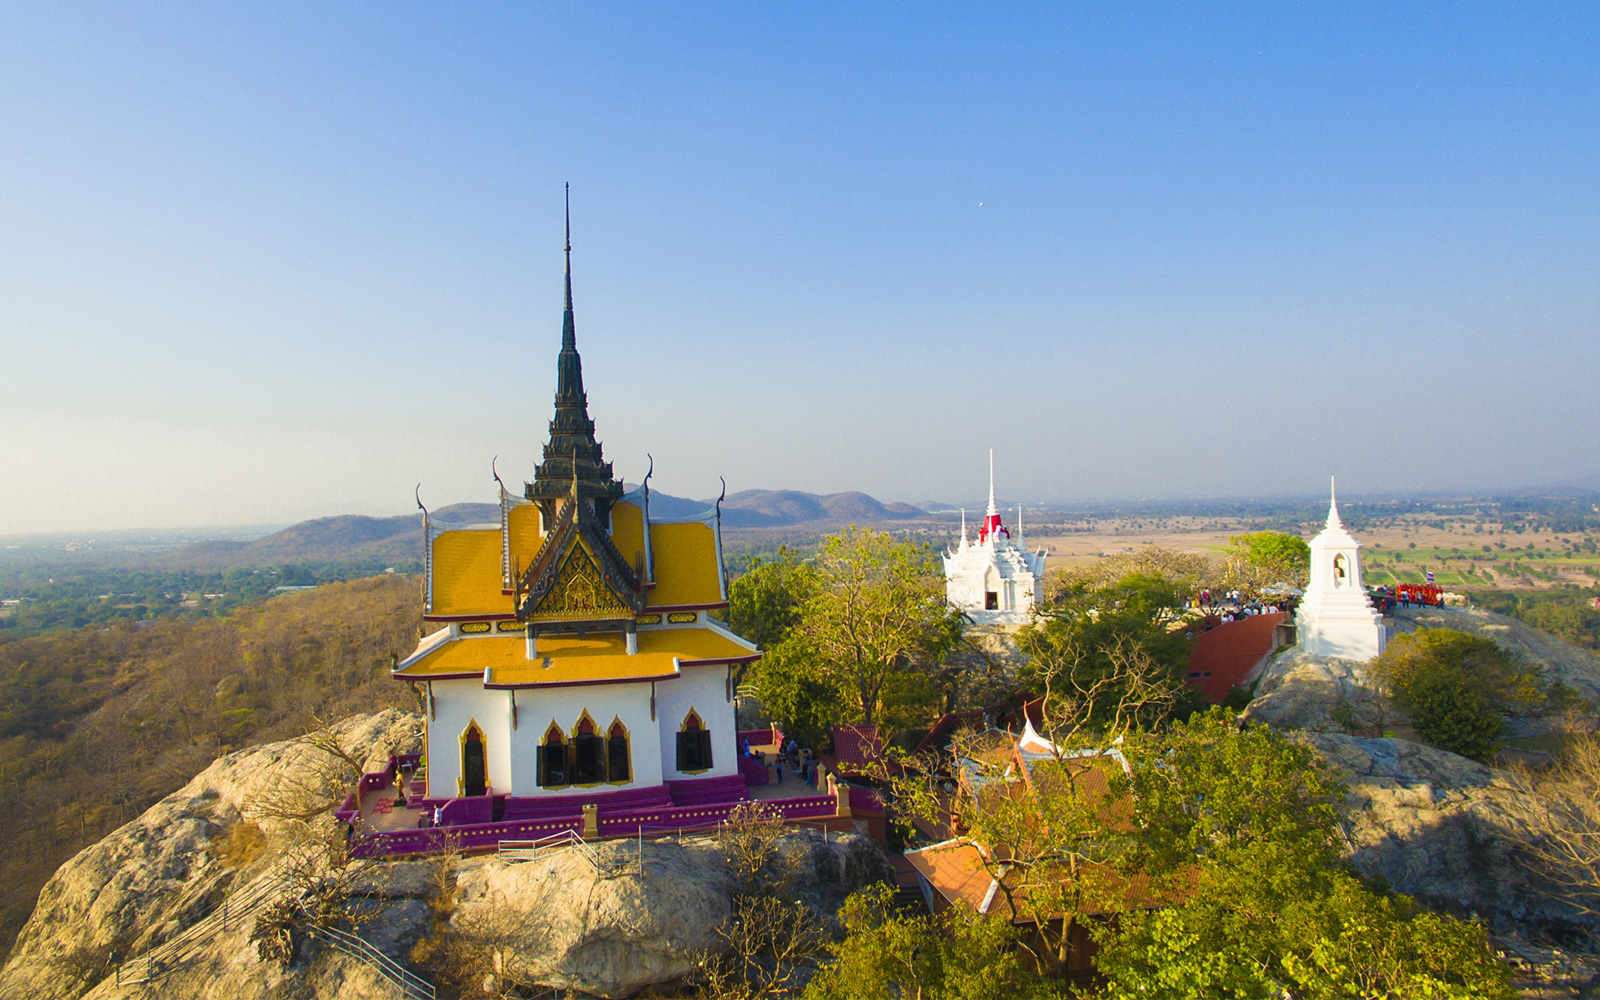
(481, 822)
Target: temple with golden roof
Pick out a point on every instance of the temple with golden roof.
(575, 649)
(576, 683)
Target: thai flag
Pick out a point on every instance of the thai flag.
(1430, 576)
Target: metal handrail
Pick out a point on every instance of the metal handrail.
(359, 948)
(175, 950)
(528, 850)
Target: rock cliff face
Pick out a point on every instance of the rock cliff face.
(595, 921)
(1435, 826)
(607, 925)
(1301, 691)
(153, 877)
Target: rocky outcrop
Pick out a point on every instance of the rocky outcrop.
(1577, 668)
(1300, 691)
(154, 876)
(1437, 826)
(627, 917)
(593, 920)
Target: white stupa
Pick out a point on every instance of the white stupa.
(1335, 618)
(994, 579)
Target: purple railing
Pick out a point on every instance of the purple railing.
(753, 771)
(707, 791)
(470, 824)
(761, 737)
(372, 781)
(865, 800)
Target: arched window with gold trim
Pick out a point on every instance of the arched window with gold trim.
(694, 745)
(1341, 570)
(588, 752)
(474, 778)
(552, 763)
(619, 753)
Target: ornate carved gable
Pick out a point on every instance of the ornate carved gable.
(579, 577)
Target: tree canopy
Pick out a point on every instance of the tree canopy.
(1456, 687)
(864, 628)
(1218, 848)
(1264, 558)
(1088, 633)
(764, 601)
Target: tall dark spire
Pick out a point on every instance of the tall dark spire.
(572, 454)
(569, 332)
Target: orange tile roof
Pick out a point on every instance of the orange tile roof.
(955, 871)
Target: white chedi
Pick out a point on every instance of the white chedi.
(1335, 619)
(994, 579)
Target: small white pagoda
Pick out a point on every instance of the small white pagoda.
(1335, 618)
(994, 579)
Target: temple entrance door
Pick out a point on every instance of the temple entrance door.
(472, 764)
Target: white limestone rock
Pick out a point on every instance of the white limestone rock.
(562, 922)
(1434, 825)
(151, 877)
(1301, 690)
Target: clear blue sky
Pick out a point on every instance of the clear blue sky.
(265, 262)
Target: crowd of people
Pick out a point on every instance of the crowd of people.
(800, 759)
(1233, 605)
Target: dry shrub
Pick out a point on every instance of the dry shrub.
(773, 946)
(772, 940)
(749, 840)
(240, 845)
(1558, 813)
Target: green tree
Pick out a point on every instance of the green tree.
(873, 630)
(764, 603)
(955, 956)
(1237, 831)
(1263, 558)
(1455, 687)
(1088, 631)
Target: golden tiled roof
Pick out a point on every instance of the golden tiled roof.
(523, 538)
(465, 574)
(596, 658)
(627, 534)
(686, 566)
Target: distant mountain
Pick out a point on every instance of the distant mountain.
(1580, 487)
(397, 540)
(773, 508)
(342, 538)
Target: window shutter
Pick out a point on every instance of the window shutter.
(705, 748)
(541, 768)
(618, 762)
(683, 749)
(591, 759)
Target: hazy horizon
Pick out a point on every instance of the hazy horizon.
(271, 263)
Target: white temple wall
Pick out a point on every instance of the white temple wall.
(703, 688)
(537, 707)
(1335, 618)
(456, 704)
(1357, 640)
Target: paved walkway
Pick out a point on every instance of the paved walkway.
(792, 787)
(383, 810)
